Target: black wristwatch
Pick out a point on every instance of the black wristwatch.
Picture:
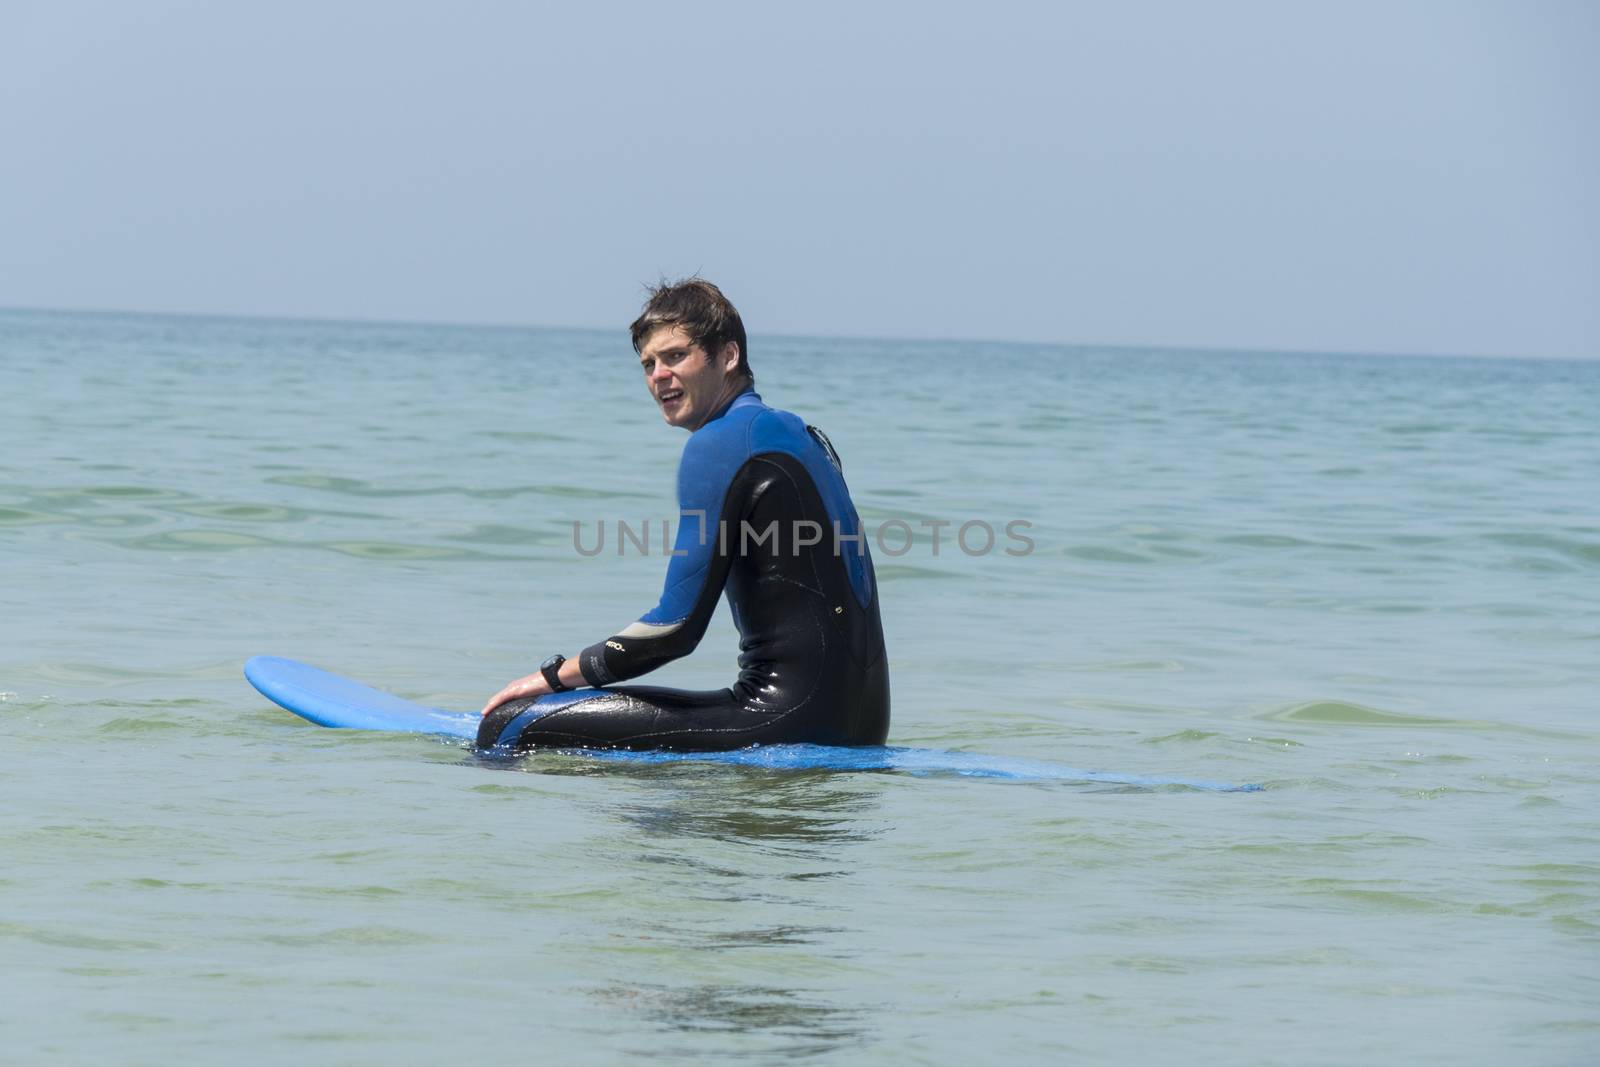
(549, 669)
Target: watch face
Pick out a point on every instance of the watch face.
(553, 661)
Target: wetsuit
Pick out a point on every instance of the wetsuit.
(765, 517)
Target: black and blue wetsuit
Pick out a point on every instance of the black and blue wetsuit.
(765, 517)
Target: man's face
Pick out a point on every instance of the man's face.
(688, 385)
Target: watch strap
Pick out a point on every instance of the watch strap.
(551, 669)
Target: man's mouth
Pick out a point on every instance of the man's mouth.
(667, 396)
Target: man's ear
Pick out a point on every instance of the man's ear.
(730, 355)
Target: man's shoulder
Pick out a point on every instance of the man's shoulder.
(716, 451)
(741, 429)
(776, 430)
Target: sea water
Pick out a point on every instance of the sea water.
(1371, 584)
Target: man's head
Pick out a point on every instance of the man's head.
(691, 344)
(708, 317)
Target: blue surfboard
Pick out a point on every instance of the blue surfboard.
(329, 700)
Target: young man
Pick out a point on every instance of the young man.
(766, 518)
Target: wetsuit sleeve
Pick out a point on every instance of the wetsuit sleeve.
(695, 576)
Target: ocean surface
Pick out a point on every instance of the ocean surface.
(1370, 584)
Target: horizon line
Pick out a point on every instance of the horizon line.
(329, 320)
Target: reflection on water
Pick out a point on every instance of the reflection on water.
(739, 861)
(804, 1025)
(791, 811)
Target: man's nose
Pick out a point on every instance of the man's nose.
(661, 373)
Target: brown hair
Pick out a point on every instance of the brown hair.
(708, 317)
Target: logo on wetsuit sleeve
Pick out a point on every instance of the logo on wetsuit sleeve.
(615, 645)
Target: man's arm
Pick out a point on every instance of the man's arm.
(647, 644)
(707, 497)
(534, 685)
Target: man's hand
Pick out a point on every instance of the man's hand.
(533, 685)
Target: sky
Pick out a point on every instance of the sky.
(1411, 176)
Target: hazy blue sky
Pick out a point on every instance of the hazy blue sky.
(1395, 176)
